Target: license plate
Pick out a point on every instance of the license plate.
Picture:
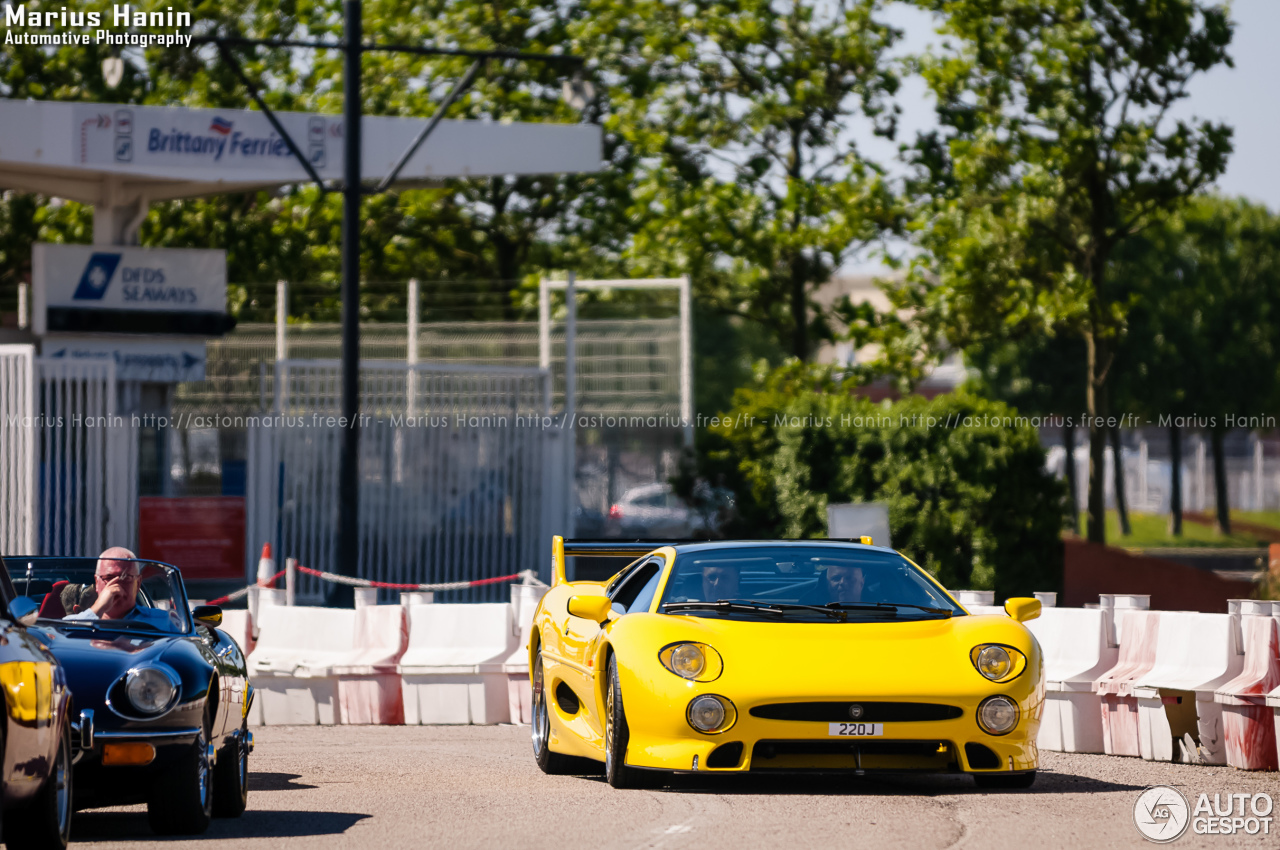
(855, 730)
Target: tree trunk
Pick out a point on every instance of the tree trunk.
(1220, 497)
(1175, 494)
(1096, 407)
(1122, 506)
(799, 314)
(1073, 489)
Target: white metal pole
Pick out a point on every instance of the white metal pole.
(411, 356)
(23, 321)
(544, 325)
(686, 360)
(1201, 502)
(282, 343)
(1142, 472)
(1257, 471)
(290, 581)
(570, 398)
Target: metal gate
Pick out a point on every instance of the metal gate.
(87, 460)
(17, 449)
(457, 465)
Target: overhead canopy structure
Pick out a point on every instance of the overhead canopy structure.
(117, 155)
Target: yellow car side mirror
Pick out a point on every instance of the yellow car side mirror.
(1022, 608)
(590, 607)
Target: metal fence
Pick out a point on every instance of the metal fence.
(17, 449)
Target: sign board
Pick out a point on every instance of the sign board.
(203, 536)
(116, 289)
(162, 361)
(855, 520)
(73, 150)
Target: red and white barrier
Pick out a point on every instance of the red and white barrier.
(1178, 719)
(292, 666)
(369, 689)
(452, 672)
(1137, 631)
(1077, 651)
(1248, 722)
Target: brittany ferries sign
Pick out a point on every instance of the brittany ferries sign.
(84, 151)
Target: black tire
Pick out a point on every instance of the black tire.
(549, 762)
(182, 800)
(1016, 781)
(45, 822)
(616, 737)
(231, 777)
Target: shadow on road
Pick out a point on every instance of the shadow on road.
(893, 784)
(131, 826)
(276, 782)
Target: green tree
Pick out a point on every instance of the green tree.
(1204, 334)
(755, 188)
(1056, 145)
(968, 494)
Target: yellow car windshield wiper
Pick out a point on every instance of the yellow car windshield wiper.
(723, 605)
(946, 612)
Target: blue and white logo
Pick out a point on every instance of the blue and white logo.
(97, 277)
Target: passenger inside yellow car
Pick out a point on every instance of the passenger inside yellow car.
(719, 581)
(844, 583)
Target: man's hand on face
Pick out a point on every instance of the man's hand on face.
(115, 597)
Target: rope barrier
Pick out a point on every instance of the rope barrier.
(527, 575)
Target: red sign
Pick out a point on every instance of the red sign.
(202, 535)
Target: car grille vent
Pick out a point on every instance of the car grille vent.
(866, 712)
(981, 757)
(567, 699)
(726, 755)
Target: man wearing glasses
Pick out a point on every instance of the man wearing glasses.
(116, 581)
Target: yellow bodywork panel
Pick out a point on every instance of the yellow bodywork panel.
(28, 690)
(792, 686)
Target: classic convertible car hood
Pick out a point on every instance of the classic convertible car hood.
(898, 658)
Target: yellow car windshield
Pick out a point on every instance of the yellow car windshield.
(797, 582)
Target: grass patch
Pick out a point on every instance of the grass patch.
(1151, 531)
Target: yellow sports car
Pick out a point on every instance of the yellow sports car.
(778, 656)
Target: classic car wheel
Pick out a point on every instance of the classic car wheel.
(1007, 780)
(182, 801)
(231, 777)
(46, 821)
(616, 736)
(549, 762)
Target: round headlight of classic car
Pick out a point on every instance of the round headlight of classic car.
(998, 715)
(150, 689)
(996, 662)
(711, 714)
(696, 662)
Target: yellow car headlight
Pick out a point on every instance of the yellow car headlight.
(711, 714)
(997, 662)
(998, 715)
(696, 662)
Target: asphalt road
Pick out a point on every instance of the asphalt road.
(390, 787)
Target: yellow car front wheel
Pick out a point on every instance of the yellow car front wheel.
(549, 762)
(616, 737)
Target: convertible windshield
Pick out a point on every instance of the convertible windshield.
(788, 583)
(103, 594)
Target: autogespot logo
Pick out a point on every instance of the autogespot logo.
(1161, 814)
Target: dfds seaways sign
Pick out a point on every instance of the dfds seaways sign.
(114, 289)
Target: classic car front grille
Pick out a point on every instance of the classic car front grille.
(871, 712)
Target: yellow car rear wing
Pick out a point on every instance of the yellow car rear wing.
(561, 549)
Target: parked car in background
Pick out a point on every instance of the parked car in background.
(169, 692)
(36, 743)
(654, 511)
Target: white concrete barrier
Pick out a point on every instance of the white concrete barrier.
(452, 672)
(1178, 719)
(1137, 632)
(1076, 652)
(1248, 722)
(292, 665)
(237, 623)
(369, 689)
(524, 602)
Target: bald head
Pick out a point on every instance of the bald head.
(116, 560)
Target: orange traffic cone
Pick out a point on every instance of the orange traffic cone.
(266, 566)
